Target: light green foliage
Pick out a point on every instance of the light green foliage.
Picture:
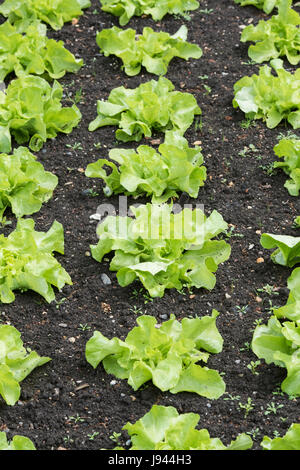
(31, 110)
(153, 50)
(15, 364)
(54, 12)
(24, 184)
(126, 9)
(278, 342)
(270, 97)
(27, 261)
(175, 167)
(17, 443)
(289, 149)
(153, 105)
(287, 252)
(163, 250)
(290, 441)
(277, 37)
(166, 355)
(33, 53)
(266, 5)
(163, 428)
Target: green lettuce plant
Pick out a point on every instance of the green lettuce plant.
(31, 111)
(152, 106)
(54, 12)
(15, 364)
(17, 443)
(166, 355)
(27, 261)
(24, 184)
(33, 53)
(287, 248)
(266, 5)
(163, 428)
(152, 50)
(277, 37)
(126, 9)
(291, 310)
(161, 175)
(272, 98)
(290, 441)
(163, 250)
(289, 150)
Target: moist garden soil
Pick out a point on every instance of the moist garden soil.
(66, 404)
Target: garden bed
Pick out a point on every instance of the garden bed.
(66, 404)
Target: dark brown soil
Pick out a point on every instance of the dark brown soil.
(66, 404)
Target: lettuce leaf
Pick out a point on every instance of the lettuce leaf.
(126, 9)
(54, 12)
(31, 110)
(291, 310)
(153, 105)
(33, 53)
(15, 364)
(163, 250)
(290, 441)
(17, 443)
(287, 252)
(289, 149)
(153, 50)
(175, 167)
(163, 428)
(165, 355)
(266, 5)
(24, 184)
(268, 97)
(27, 261)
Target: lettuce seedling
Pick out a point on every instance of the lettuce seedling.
(24, 184)
(27, 261)
(31, 110)
(289, 150)
(269, 97)
(161, 175)
(152, 50)
(15, 364)
(33, 53)
(17, 443)
(152, 106)
(157, 9)
(287, 252)
(277, 37)
(55, 12)
(166, 355)
(162, 249)
(163, 428)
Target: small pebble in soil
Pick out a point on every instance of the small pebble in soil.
(163, 316)
(113, 382)
(105, 279)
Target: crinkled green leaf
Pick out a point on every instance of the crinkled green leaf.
(162, 249)
(153, 50)
(54, 12)
(175, 167)
(287, 252)
(17, 443)
(15, 363)
(163, 428)
(165, 355)
(31, 111)
(126, 9)
(24, 184)
(291, 310)
(152, 106)
(277, 37)
(266, 5)
(27, 261)
(289, 149)
(31, 52)
(290, 441)
(269, 97)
